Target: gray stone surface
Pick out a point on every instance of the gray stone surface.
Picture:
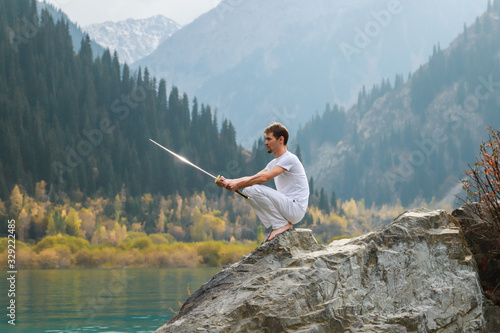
(414, 275)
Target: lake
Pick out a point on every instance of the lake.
(99, 300)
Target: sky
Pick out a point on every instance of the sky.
(85, 12)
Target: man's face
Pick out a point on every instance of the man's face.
(272, 143)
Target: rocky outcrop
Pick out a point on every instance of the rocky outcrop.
(483, 238)
(414, 275)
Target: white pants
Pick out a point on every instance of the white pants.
(272, 207)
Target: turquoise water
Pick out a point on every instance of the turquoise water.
(98, 300)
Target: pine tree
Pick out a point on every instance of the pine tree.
(333, 201)
(162, 95)
(298, 152)
(323, 201)
(311, 187)
(477, 26)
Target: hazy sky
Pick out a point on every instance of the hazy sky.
(86, 12)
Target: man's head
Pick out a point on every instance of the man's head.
(278, 131)
(276, 139)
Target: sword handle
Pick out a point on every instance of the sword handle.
(237, 191)
(242, 194)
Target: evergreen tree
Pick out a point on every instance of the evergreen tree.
(323, 201)
(298, 152)
(477, 26)
(333, 201)
(82, 124)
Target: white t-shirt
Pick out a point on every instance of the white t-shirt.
(293, 181)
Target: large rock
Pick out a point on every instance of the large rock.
(414, 275)
(483, 238)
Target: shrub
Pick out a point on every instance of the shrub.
(230, 254)
(209, 251)
(158, 259)
(158, 239)
(182, 255)
(73, 243)
(483, 183)
(25, 258)
(47, 258)
(482, 230)
(219, 253)
(142, 243)
(4, 244)
(130, 258)
(103, 257)
(64, 256)
(84, 259)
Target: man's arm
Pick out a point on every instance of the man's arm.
(259, 178)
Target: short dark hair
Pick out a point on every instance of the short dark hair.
(278, 130)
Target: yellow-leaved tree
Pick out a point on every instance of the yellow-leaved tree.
(88, 222)
(73, 223)
(160, 223)
(16, 202)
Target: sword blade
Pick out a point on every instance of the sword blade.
(183, 159)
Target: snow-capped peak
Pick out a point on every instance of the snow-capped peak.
(133, 39)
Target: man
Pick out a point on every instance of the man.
(285, 206)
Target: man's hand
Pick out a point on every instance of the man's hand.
(259, 178)
(232, 184)
(229, 184)
(221, 182)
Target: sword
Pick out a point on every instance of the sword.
(183, 159)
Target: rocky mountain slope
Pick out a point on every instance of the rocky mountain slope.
(414, 275)
(415, 138)
(262, 61)
(133, 39)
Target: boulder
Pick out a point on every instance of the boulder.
(414, 275)
(483, 239)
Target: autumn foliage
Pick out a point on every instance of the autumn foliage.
(482, 230)
(482, 183)
(59, 230)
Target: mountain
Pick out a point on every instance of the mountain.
(75, 31)
(133, 39)
(82, 123)
(262, 61)
(412, 140)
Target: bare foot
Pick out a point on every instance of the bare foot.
(276, 232)
(267, 238)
